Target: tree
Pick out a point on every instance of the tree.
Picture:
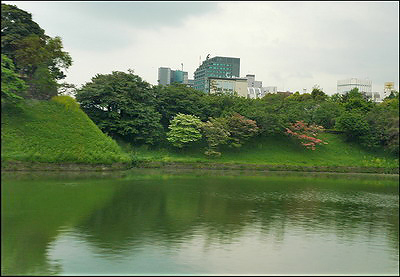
(12, 87)
(354, 100)
(123, 106)
(353, 124)
(216, 133)
(16, 24)
(307, 134)
(178, 98)
(241, 129)
(325, 114)
(184, 130)
(38, 58)
(317, 94)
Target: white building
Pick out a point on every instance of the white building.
(228, 85)
(255, 88)
(364, 86)
(270, 89)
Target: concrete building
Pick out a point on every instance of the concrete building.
(216, 67)
(255, 88)
(364, 86)
(228, 85)
(374, 96)
(251, 81)
(270, 89)
(166, 76)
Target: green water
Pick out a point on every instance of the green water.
(153, 223)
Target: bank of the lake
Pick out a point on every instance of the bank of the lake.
(58, 136)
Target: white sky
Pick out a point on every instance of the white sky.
(291, 45)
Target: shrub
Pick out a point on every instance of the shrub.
(307, 134)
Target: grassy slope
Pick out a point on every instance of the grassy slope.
(282, 150)
(48, 131)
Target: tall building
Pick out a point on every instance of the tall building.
(219, 67)
(166, 76)
(364, 86)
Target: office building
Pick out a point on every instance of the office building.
(270, 89)
(255, 88)
(216, 67)
(364, 86)
(230, 86)
(166, 76)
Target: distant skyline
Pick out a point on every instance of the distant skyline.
(290, 45)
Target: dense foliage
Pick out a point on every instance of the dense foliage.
(123, 104)
(12, 87)
(39, 59)
(184, 130)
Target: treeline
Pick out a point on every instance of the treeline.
(128, 108)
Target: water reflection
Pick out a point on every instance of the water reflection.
(165, 224)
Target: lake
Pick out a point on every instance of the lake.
(150, 222)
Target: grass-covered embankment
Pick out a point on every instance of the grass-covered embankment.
(54, 132)
(278, 153)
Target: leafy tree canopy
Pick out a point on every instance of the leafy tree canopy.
(12, 87)
(16, 24)
(123, 106)
(184, 130)
(38, 58)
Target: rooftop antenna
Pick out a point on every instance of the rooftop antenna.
(207, 56)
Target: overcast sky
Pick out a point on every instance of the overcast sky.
(291, 45)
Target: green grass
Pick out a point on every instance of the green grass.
(280, 151)
(56, 131)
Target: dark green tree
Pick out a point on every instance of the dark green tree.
(353, 124)
(178, 98)
(16, 25)
(317, 94)
(38, 58)
(325, 114)
(123, 106)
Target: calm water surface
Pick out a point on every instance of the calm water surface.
(143, 223)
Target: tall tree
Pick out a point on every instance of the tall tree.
(38, 58)
(16, 24)
(123, 106)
